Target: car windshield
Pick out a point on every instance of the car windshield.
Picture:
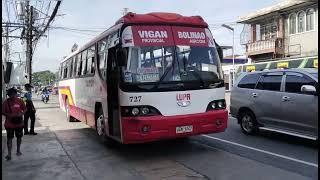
(160, 64)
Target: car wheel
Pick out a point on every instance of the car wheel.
(248, 123)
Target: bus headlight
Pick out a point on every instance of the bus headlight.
(217, 104)
(135, 111)
(145, 110)
(213, 105)
(128, 111)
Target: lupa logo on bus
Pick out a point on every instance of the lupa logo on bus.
(183, 100)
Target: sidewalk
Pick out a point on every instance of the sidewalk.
(63, 151)
(42, 157)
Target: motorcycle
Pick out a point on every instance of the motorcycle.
(45, 98)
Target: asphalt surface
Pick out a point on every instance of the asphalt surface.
(64, 150)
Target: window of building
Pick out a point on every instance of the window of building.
(310, 19)
(268, 31)
(249, 81)
(270, 82)
(292, 23)
(301, 21)
(295, 82)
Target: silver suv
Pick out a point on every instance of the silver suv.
(284, 101)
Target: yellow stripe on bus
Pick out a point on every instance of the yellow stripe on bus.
(67, 92)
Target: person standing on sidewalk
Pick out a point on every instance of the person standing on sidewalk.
(13, 109)
(31, 111)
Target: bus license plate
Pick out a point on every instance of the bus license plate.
(184, 129)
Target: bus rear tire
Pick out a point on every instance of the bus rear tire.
(68, 116)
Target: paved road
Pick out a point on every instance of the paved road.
(64, 150)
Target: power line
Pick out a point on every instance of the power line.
(51, 19)
(74, 29)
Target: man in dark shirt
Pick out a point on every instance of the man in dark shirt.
(31, 111)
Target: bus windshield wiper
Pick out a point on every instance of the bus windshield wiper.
(167, 70)
(216, 83)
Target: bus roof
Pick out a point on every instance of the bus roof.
(162, 18)
(154, 18)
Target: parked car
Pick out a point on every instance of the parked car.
(284, 101)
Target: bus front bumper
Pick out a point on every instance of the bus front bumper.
(153, 128)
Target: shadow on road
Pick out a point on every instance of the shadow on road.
(151, 150)
(284, 138)
(48, 107)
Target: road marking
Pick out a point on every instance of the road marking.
(263, 151)
(36, 129)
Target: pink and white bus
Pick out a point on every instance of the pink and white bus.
(149, 77)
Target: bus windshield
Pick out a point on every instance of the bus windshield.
(158, 65)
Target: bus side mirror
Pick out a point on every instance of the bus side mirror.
(220, 53)
(121, 57)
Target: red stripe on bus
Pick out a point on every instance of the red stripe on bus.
(83, 115)
(162, 127)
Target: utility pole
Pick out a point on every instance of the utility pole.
(29, 37)
(4, 63)
(6, 47)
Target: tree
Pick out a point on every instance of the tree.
(43, 78)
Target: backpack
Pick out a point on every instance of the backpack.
(14, 120)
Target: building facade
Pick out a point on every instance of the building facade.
(287, 29)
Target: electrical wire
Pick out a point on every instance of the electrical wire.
(74, 31)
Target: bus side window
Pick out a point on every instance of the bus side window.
(60, 72)
(65, 70)
(71, 67)
(75, 65)
(102, 58)
(84, 62)
(90, 60)
(79, 65)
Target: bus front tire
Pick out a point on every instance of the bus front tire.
(100, 129)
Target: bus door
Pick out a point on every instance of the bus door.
(113, 77)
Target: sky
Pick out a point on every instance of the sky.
(98, 15)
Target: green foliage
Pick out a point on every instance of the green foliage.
(43, 78)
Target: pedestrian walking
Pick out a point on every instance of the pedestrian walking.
(13, 108)
(31, 111)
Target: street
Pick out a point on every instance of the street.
(71, 150)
